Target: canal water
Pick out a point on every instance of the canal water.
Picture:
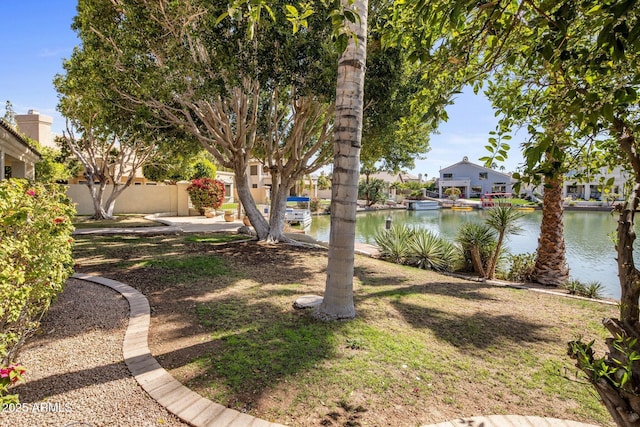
(588, 236)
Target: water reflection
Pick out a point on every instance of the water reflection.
(590, 252)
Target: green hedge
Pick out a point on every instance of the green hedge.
(35, 258)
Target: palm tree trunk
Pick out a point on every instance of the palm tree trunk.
(551, 265)
(338, 298)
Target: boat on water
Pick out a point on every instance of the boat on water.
(524, 208)
(301, 216)
(422, 205)
(461, 208)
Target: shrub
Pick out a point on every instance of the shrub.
(417, 247)
(593, 290)
(453, 193)
(590, 290)
(35, 231)
(206, 193)
(204, 168)
(477, 241)
(520, 267)
(394, 243)
(314, 205)
(431, 252)
(574, 287)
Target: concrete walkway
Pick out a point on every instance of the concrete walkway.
(190, 406)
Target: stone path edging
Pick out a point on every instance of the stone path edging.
(510, 421)
(186, 404)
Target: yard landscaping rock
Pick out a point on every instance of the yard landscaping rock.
(75, 371)
(307, 301)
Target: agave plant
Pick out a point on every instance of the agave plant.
(477, 242)
(431, 252)
(394, 243)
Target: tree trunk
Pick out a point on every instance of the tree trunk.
(493, 261)
(476, 259)
(551, 265)
(97, 195)
(338, 298)
(244, 194)
(279, 193)
(619, 387)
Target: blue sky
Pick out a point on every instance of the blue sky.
(37, 36)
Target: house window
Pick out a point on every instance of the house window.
(254, 185)
(499, 187)
(447, 176)
(484, 175)
(476, 191)
(253, 171)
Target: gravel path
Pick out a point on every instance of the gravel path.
(75, 371)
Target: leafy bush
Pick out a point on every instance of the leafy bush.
(453, 192)
(206, 193)
(520, 267)
(35, 231)
(204, 168)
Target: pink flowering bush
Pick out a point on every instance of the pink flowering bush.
(9, 376)
(36, 253)
(206, 193)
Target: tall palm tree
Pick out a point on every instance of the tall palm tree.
(502, 218)
(338, 297)
(551, 265)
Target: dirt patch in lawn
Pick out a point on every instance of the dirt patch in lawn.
(424, 347)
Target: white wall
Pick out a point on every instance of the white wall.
(138, 199)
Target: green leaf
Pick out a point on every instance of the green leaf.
(292, 11)
(221, 18)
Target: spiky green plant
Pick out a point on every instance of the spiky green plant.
(574, 287)
(503, 219)
(431, 252)
(594, 290)
(394, 243)
(477, 242)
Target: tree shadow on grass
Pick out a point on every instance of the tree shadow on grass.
(465, 291)
(245, 357)
(404, 285)
(476, 330)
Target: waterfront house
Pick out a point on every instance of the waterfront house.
(473, 180)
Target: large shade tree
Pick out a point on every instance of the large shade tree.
(212, 71)
(110, 142)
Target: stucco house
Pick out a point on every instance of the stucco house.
(586, 190)
(473, 180)
(17, 157)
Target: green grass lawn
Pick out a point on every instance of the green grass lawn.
(424, 347)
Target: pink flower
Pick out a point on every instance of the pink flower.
(31, 192)
(4, 372)
(58, 220)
